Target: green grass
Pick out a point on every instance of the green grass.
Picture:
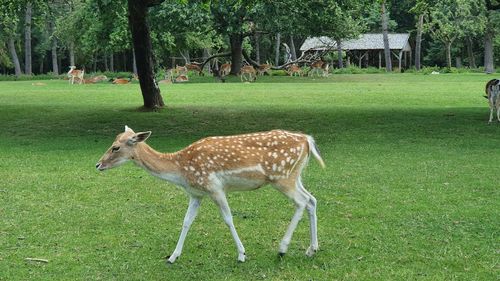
(410, 192)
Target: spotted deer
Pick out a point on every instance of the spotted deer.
(294, 69)
(214, 166)
(316, 68)
(225, 69)
(264, 68)
(75, 73)
(248, 73)
(492, 94)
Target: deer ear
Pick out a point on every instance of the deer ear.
(127, 129)
(139, 137)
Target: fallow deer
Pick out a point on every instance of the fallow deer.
(294, 69)
(100, 78)
(194, 67)
(75, 73)
(316, 69)
(215, 165)
(248, 73)
(264, 68)
(492, 94)
(225, 69)
(122, 81)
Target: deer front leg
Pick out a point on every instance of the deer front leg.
(192, 211)
(498, 113)
(491, 115)
(221, 200)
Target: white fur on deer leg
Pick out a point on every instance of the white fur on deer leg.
(192, 211)
(216, 165)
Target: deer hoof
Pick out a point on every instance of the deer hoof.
(241, 257)
(311, 251)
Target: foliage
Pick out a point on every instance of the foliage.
(452, 19)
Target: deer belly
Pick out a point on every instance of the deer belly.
(242, 181)
(235, 183)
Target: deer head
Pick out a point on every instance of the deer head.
(122, 150)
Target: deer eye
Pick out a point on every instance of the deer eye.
(115, 148)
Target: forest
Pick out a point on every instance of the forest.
(39, 37)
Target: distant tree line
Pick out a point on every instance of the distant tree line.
(47, 36)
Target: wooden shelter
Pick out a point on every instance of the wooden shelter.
(368, 48)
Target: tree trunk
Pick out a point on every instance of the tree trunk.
(134, 63)
(55, 67)
(448, 54)
(292, 48)
(42, 61)
(418, 41)
(257, 47)
(185, 56)
(277, 50)
(236, 53)
(106, 66)
(470, 53)
(72, 53)
(340, 60)
(488, 53)
(15, 58)
(111, 62)
(387, 50)
(143, 51)
(27, 39)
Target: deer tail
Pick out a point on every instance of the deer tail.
(313, 148)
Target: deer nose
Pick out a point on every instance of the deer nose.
(97, 166)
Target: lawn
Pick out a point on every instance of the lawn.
(410, 191)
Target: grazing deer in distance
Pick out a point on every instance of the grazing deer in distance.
(248, 73)
(294, 69)
(122, 81)
(264, 68)
(195, 67)
(316, 68)
(75, 73)
(225, 69)
(215, 165)
(492, 94)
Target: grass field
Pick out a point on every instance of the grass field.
(410, 192)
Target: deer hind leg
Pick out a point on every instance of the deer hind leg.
(221, 200)
(498, 112)
(311, 210)
(491, 114)
(294, 190)
(192, 211)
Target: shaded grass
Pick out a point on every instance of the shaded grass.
(410, 191)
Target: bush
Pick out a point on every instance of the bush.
(47, 76)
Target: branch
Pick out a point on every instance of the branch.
(212, 57)
(250, 60)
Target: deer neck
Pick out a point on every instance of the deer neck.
(159, 164)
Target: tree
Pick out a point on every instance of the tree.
(492, 24)
(385, 34)
(9, 20)
(27, 39)
(449, 20)
(234, 19)
(138, 11)
(421, 9)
